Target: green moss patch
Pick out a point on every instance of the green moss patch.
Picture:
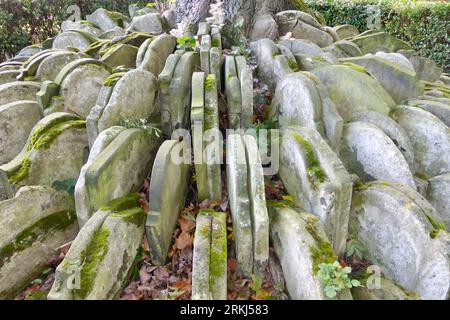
(127, 208)
(323, 253)
(293, 65)
(40, 231)
(356, 67)
(49, 135)
(91, 259)
(113, 79)
(21, 173)
(316, 174)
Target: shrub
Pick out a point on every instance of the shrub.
(423, 24)
(23, 22)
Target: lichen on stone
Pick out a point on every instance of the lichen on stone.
(293, 65)
(210, 83)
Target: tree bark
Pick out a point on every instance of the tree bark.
(195, 11)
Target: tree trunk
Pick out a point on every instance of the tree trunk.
(195, 11)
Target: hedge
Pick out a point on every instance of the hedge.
(23, 22)
(423, 24)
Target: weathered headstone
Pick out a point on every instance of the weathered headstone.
(368, 152)
(55, 151)
(18, 90)
(167, 193)
(316, 178)
(100, 259)
(402, 236)
(352, 90)
(34, 223)
(438, 194)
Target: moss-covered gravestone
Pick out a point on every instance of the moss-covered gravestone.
(209, 269)
(167, 193)
(101, 258)
(175, 94)
(55, 152)
(155, 52)
(301, 245)
(120, 168)
(313, 174)
(35, 223)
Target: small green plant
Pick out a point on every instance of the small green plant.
(142, 124)
(335, 278)
(355, 248)
(186, 43)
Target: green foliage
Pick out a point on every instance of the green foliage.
(65, 185)
(423, 24)
(335, 278)
(23, 22)
(355, 248)
(186, 43)
(142, 124)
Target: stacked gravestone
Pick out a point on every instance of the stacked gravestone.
(209, 270)
(34, 223)
(175, 89)
(101, 258)
(120, 161)
(206, 136)
(167, 193)
(75, 89)
(247, 204)
(316, 178)
(124, 97)
(55, 151)
(239, 89)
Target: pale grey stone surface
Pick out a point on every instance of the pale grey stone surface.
(120, 55)
(133, 98)
(293, 244)
(429, 138)
(8, 76)
(426, 69)
(106, 20)
(120, 168)
(316, 178)
(394, 227)
(438, 194)
(257, 196)
(346, 31)
(400, 82)
(151, 23)
(237, 174)
(353, 91)
(392, 129)
(116, 237)
(297, 102)
(201, 259)
(59, 160)
(30, 207)
(303, 26)
(156, 54)
(265, 50)
(79, 89)
(17, 119)
(368, 152)
(81, 197)
(167, 193)
(372, 42)
(72, 39)
(50, 67)
(439, 109)
(18, 90)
